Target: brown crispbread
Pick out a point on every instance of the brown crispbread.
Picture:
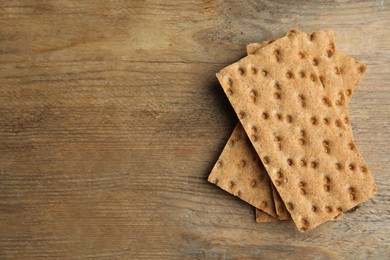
(280, 208)
(279, 93)
(262, 217)
(231, 173)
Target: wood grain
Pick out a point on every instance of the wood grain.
(111, 119)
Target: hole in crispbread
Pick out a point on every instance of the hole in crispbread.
(327, 187)
(302, 100)
(326, 120)
(243, 163)
(241, 114)
(289, 118)
(302, 55)
(290, 206)
(339, 209)
(303, 133)
(231, 143)
(314, 164)
(326, 144)
(329, 209)
(241, 71)
(352, 193)
(290, 162)
(312, 37)
(351, 146)
(277, 95)
(279, 174)
(327, 101)
(339, 166)
(322, 79)
(338, 123)
(330, 53)
(327, 179)
(279, 116)
(253, 94)
(364, 169)
(302, 191)
(315, 62)
(277, 55)
(277, 86)
(229, 82)
(265, 115)
(253, 128)
(278, 138)
(219, 164)
(229, 91)
(264, 73)
(253, 138)
(289, 74)
(239, 193)
(266, 160)
(302, 74)
(264, 204)
(339, 103)
(314, 208)
(313, 77)
(305, 224)
(302, 141)
(301, 184)
(278, 183)
(346, 120)
(337, 70)
(253, 69)
(352, 166)
(253, 183)
(231, 184)
(303, 162)
(314, 120)
(349, 92)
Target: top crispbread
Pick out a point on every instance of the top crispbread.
(306, 147)
(351, 72)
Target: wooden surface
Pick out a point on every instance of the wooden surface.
(111, 119)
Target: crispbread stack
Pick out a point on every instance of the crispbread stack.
(293, 153)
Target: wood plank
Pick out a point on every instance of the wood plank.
(111, 119)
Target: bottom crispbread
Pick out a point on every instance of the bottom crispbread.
(262, 217)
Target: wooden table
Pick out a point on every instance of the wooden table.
(111, 119)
